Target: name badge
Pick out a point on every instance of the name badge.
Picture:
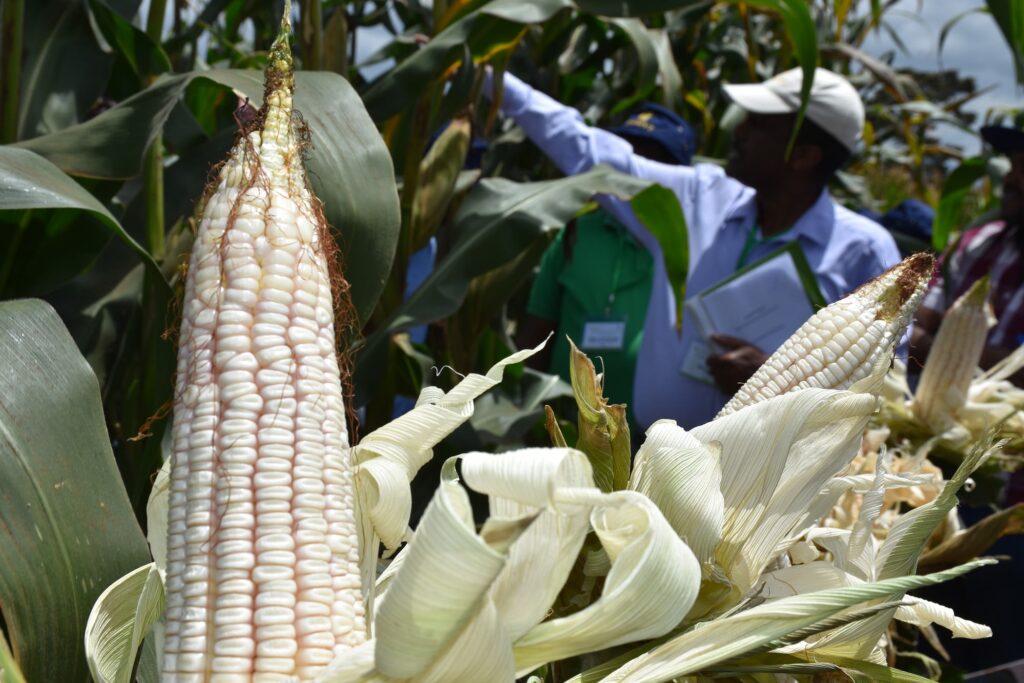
(695, 363)
(604, 335)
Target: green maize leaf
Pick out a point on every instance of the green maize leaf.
(954, 190)
(120, 620)
(659, 210)
(948, 26)
(64, 71)
(66, 528)
(632, 8)
(501, 419)
(800, 28)
(643, 40)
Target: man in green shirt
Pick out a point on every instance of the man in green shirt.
(595, 280)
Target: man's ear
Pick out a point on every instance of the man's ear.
(805, 157)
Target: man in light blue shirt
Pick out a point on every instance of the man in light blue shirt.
(769, 200)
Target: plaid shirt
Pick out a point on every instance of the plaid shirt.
(994, 250)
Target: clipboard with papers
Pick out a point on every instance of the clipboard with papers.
(764, 303)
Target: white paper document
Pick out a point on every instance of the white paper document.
(763, 305)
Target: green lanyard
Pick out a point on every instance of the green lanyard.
(754, 241)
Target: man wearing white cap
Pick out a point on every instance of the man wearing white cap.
(761, 201)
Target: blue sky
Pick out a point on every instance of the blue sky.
(975, 47)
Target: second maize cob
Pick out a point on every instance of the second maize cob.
(841, 343)
(954, 356)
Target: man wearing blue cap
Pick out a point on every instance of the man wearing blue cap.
(595, 278)
(764, 199)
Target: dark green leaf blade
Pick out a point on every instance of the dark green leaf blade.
(144, 56)
(954, 191)
(112, 144)
(28, 181)
(1009, 16)
(64, 70)
(66, 528)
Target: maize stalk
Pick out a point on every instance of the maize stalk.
(946, 378)
(845, 342)
(263, 580)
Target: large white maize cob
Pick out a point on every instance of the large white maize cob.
(842, 343)
(262, 555)
(954, 356)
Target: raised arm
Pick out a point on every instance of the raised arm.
(571, 144)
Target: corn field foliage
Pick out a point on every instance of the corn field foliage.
(113, 123)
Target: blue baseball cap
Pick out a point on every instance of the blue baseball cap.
(654, 122)
(911, 217)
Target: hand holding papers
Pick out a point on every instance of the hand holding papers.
(763, 304)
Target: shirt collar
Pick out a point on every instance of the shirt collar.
(815, 225)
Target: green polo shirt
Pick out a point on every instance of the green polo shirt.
(607, 278)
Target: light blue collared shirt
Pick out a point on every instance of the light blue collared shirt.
(843, 248)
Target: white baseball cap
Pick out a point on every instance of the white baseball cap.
(834, 104)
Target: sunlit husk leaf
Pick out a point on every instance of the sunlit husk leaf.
(898, 554)
(683, 477)
(924, 613)
(389, 457)
(156, 517)
(652, 584)
(857, 557)
(478, 600)
(119, 622)
(798, 440)
(525, 484)
(431, 591)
